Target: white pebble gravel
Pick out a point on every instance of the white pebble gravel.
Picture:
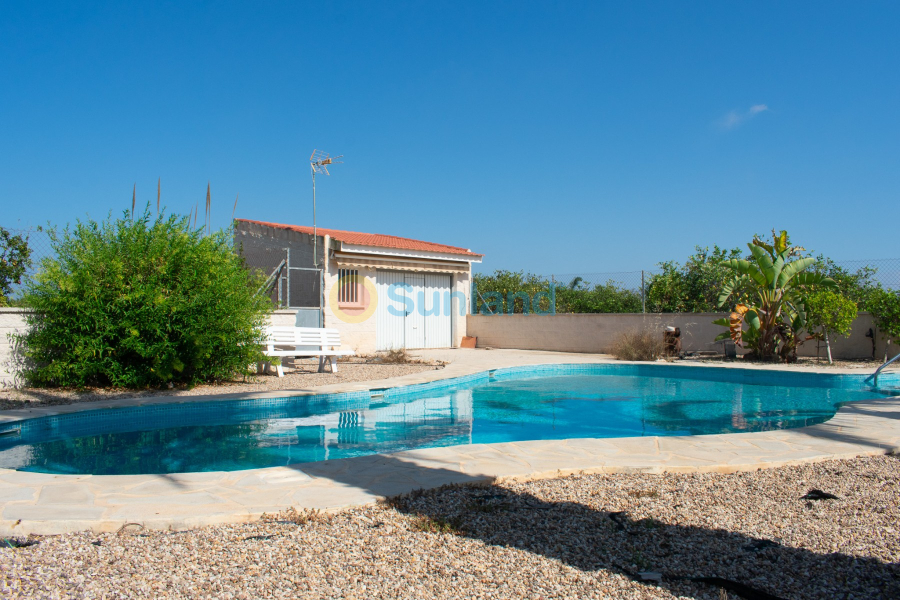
(573, 537)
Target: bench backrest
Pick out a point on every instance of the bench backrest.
(302, 336)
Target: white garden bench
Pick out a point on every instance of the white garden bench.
(302, 342)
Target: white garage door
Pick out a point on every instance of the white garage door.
(421, 315)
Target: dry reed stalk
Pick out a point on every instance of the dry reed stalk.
(207, 208)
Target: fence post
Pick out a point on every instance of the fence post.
(287, 259)
(552, 296)
(643, 296)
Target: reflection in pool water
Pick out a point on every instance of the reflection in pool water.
(545, 403)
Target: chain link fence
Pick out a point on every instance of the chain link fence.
(629, 291)
(618, 291)
(293, 282)
(39, 247)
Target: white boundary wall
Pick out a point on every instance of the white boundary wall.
(596, 333)
(561, 332)
(12, 320)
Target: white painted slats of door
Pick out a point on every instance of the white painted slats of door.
(389, 328)
(438, 313)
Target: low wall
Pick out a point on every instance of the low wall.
(596, 333)
(12, 320)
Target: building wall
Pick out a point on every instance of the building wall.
(598, 332)
(265, 247)
(461, 283)
(359, 337)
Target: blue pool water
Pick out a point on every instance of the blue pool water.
(534, 403)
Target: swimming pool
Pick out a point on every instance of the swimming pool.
(522, 403)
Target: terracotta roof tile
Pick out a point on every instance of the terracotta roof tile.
(372, 239)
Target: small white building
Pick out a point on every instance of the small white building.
(381, 291)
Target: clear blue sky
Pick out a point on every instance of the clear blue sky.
(552, 137)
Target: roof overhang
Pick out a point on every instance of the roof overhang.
(409, 254)
(347, 259)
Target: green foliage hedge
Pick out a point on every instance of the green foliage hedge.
(15, 258)
(609, 297)
(493, 294)
(694, 286)
(885, 307)
(139, 303)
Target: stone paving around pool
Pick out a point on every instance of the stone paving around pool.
(51, 504)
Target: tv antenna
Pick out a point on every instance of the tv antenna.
(318, 163)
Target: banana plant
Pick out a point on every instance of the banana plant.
(767, 292)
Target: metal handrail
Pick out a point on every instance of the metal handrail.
(878, 370)
(270, 280)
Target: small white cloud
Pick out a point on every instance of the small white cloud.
(735, 117)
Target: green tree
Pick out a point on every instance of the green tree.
(829, 313)
(141, 302)
(885, 308)
(494, 292)
(15, 258)
(768, 293)
(856, 285)
(694, 286)
(607, 297)
(506, 291)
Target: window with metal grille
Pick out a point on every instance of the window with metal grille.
(349, 290)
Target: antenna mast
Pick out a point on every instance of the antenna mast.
(318, 163)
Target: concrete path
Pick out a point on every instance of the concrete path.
(50, 504)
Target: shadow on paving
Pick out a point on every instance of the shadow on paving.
(591, 539)
(829, 431)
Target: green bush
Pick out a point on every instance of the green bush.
(504, 283)
(493, 293)
(15, 258)
(829, 313)
(857, 285)
(694, 286)
(606, 297)
(885, 307)
(140, 303)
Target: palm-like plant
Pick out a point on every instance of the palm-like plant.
(768, 294)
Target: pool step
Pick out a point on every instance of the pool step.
(11, 433)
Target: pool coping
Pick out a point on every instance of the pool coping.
(52, 504)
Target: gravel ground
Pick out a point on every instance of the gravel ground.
(574, 537)
(305, 375)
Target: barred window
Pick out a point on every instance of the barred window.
(349, 290)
